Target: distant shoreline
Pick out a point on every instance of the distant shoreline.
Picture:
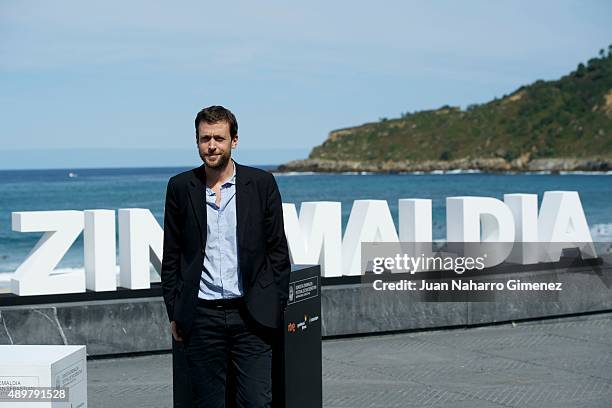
(446, 172)
(480, 165)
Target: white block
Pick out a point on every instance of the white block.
(415, 231)
(524, 208)
(562, 223)
(480, 219)
(140, 243)
(45, 366)
(466, 217)
(315, 237)
(34, 276)
(99, 246)
(370, 221)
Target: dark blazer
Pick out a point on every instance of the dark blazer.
(263, 254)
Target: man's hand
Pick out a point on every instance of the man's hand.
(175, 331)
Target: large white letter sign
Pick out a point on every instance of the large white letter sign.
(140, 243)
(370, 221)
(562, 220)
(34, 276)
(415, 233)
(467, 216)
(414, 220)
(524, 208)
(316, 237)
(100, 250)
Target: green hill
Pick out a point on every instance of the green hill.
(560, 125)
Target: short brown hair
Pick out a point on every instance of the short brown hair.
(216, 114)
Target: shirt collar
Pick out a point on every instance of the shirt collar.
(230, 181)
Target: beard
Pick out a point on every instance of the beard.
(221, 161)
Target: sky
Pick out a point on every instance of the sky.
(117, 83)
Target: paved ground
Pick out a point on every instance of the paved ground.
(552, 363)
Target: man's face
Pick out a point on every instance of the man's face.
(215, 144)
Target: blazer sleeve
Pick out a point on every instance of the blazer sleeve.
(171, 258)
(276, 241)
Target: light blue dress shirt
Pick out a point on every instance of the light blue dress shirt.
(220, 277)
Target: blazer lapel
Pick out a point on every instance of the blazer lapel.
(197, 189)
(242, 203)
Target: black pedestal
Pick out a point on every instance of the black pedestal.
(296, 357)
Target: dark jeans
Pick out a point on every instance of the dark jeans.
(225, 340)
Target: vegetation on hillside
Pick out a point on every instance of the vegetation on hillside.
(567, 118)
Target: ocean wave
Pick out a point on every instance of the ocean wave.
(588, 173)
(357, 173)
(295, 173)
(601, 232)
(453, 171)
(463, 171)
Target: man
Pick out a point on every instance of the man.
(225, 268)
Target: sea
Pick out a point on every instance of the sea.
(80, 189)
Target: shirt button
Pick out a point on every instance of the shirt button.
(202, 250)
